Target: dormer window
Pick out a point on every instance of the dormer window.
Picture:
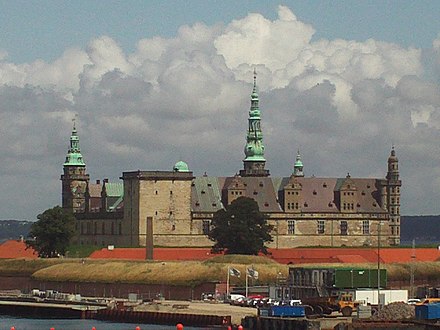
(261, 184)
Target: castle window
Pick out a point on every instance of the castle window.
(297, 206)
(321, 227)
(202, 191)
(288, 206)
(290, 227)
(306, 205)
(330, 204)
(206, 226)
(255, 193)
(171, 192)
(314, 192)
(266, 204)
(366, 227)
(209, 184)
(324, 185)
(368, 186)
(173, 227)
(197, 204)
(374, 204)
(358, 205)
(352, 206)
(214, 204)
(345, 206)
(344, 227)
(363, 193)
(392, 230)
(261, 184)
(156, 192)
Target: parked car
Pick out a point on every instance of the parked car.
(413, 301)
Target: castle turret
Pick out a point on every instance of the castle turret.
(393, 197)
(298, 166)
(254, 150)
(74, 178)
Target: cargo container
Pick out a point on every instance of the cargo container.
(428, 311)
(286, 311)
(370, 296)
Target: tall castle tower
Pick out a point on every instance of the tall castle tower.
(254, 150)
(74, 178)
(393, 194)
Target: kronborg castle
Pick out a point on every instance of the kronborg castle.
(173, 208)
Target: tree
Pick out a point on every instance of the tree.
(52, 233)
(240, 229)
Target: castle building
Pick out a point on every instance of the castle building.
(174, 208)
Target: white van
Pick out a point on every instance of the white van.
(235, 296)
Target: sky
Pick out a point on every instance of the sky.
(154, 82)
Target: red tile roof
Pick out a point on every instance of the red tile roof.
(284, 256)
(16, 249)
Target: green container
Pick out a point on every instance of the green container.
(358, 278)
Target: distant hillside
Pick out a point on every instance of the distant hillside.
(13, 229)
(424, 229)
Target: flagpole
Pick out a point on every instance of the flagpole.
(227, 285)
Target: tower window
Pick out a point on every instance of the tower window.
(344, 228)
(290, 227)
(321, 227)
(366, 227)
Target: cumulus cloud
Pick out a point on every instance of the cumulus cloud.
(343, 103)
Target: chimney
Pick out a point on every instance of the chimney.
(105, 180)
(98, 181)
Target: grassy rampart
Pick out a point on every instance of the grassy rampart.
(187, 273)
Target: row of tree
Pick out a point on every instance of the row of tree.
(239, 229)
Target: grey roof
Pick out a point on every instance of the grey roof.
(205, 195)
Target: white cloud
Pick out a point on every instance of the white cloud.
(342, 102)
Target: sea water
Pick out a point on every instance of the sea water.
(6, 323)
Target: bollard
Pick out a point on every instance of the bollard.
(179, 326)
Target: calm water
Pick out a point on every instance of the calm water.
(44, 324)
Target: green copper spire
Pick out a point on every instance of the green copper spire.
(74, 157)
(254, 149)
(298, 166)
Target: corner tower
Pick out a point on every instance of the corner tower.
(254, 150)
(74, 178)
